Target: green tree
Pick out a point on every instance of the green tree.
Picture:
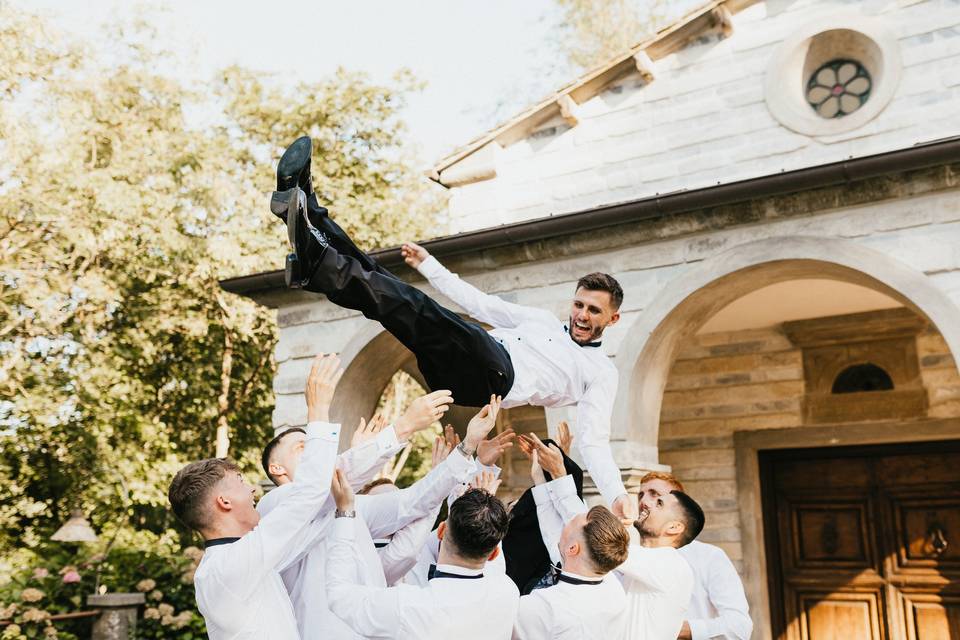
(126, 194)
(592, 32)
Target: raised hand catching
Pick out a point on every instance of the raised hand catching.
(564, 437)
(321, 385)
(489, 451)
(423, 412)
(551, 458)
(342, 492)
(487, 481)
(413, 254)
(481, 424)
(367, 430)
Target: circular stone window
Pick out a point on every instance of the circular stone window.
(838, 88)
(833, 75)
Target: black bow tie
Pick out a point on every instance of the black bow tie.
(589, 344)
(433, 573)
(559, 576)
(218, 541)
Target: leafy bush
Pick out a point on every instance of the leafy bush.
(58, 578)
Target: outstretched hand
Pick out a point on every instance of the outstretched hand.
(443, 445)
(321, 385)
(487, 481)
(413, 254)
(564, 437)
(423, 412)
(481, 424)
(489, 451)
(342, 491)
(549, 457)
(367, 430)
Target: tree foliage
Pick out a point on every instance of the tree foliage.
(592, 32)
(125, 195)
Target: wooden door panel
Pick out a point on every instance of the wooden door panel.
(839, 616)
(931, 617)
(927, 532)
(827, 535)
(864, 542)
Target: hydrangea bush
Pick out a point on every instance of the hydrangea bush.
(59, 579)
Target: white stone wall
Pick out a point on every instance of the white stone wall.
(704, 119)
(923, 232)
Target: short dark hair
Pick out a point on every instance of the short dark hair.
(692, 516)
(365, 489)
(607, 540)
(603, 282)
(268, 450)
(477, 523)
(190, 488)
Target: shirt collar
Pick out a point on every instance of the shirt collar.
(573, 578)
(216, 542)
(460, 571)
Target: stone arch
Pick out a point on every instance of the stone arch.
(651, 344)
(370, 359)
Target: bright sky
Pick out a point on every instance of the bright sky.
(474, 55)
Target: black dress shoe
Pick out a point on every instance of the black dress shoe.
(293, 170)
(308, 243)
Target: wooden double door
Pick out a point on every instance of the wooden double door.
(864, 543)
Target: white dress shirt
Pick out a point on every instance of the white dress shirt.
(238, 586)
(550, 369)
(718, 607)
(589, 608)
(472, 608)
(594, 610)
(401, 553)
(378, 516)
(657, 580)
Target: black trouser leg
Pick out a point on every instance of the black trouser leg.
(339, 239)
(451, 352)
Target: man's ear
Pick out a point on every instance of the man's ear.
(277, 470)
(573, 549)
(614, 318)
(675, 528)
(223, 503)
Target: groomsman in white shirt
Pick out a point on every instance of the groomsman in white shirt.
(238, 585)
(378, 517)
(587, 601)
(718, 606)
(657, 580)
(460, 602)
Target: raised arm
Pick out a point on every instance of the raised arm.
(369, 611)
(594, 412)
(389, 512)
(484, 307)
(283, 533)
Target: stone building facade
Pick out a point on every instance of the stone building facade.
(775, 185)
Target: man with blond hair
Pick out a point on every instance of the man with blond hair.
(718, 606)
(585, 601)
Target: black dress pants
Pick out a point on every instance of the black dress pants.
(451, 352)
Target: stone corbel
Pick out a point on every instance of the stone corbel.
(476, 167)
(568, 109)
(644, 66)
(723, 21)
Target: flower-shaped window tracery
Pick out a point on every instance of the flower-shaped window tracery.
(838, 88)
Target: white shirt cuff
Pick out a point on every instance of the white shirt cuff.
(387, 440)
(541, 495)
(430, 267)
(343, 528)
(462, 467)
(562, 487)
(329, 431)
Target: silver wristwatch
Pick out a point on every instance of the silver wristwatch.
(344, 514)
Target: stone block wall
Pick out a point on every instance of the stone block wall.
(750, 380)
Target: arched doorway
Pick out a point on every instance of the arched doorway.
(677, 402)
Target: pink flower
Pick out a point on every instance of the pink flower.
(40, 573)
(71, 576)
